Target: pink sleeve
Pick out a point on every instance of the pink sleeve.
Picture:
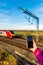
(39, 55)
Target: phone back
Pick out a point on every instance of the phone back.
(30, 41)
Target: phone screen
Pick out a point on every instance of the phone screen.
(30, 41)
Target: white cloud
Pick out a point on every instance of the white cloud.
(4, 11)
(40, 9)
(17, 27)
(41, 26)
(6, 20)
(6, 24)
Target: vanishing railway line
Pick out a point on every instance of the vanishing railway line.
(10, 48)
(18, 42)
(13, 42)
(13, 39)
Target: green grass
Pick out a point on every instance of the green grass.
(24, 34)
(8, 59)
(28, 32)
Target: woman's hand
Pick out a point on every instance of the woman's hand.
(34, 46)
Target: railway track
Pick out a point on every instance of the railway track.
(9, 48)
(18, 39)
(15, 55)
(14, 42)
(18, 42)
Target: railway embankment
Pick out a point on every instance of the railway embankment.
(27, 55)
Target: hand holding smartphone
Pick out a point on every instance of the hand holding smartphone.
(30, 41)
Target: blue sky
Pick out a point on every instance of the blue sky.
(12, 18)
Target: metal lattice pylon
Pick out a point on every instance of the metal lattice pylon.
(33, 16)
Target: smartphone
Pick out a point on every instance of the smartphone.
(30, 41)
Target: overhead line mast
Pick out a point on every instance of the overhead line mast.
(34, 16)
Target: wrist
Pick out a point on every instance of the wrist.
(34, 49)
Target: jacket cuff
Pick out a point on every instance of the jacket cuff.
(36, 52)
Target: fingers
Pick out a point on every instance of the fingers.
(31, 49)
(33, 41)
(34, 46)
